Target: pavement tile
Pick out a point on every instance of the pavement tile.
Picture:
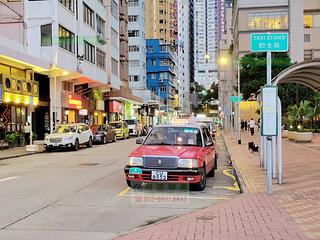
(291, 212)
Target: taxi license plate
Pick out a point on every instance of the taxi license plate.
(159, 175)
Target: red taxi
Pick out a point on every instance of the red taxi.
(173, 154)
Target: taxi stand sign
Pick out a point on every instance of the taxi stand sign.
(269, 111)
(269, 42)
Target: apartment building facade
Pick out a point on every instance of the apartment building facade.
(161, 21)
(161, 74)
(185, 53)
(205, 35)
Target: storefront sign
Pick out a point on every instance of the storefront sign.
(74, 101)
(115, 106)
(83, 112)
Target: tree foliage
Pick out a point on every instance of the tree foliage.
(253, 73)
(206, 96)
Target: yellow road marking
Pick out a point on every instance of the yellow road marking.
(235, 184)
(123, 192)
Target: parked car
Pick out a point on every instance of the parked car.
(132, 125)
(69, 136)
(103, 133)
(173, 154)
(121, 129)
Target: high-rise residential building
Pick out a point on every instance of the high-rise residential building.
(161, 74)
(161, 20)
(123, 21)
(205, 34)
(137, 45)
(185, 53)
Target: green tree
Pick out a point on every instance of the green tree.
(299, 113)
(253, 73)
(205, 96)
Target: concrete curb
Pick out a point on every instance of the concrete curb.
(20, 155)
(237, 173)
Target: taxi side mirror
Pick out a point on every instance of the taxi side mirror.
(139, 141)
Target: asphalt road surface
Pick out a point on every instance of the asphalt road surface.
(83, 195)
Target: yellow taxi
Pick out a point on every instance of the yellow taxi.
(121, 129)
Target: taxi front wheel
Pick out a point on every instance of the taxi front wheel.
(200, 186)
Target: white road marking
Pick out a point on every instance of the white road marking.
(7, 179)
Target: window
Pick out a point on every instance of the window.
(66, 39)
(101, 59)
(149, 48)
(88, 15)
(134, 48)
(46, 35)
(153, 76)
(134, 78)
(114, 67)
(132, 3)
(100, 25)
(153, 62)
(134, 63)
(163, 62)
(114, 9)
(114, 38)
(163, 89)
(264, 21)
(69, 4)
(133, 33)
(133, 18)
(67, 86)
(163, 48)
(89, 52)
(312, 20)
(307, 38)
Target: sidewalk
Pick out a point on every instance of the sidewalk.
(17, 152)
(291, 212)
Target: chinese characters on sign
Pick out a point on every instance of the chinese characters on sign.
(273, 42)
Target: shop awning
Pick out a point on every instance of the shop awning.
(125, 94)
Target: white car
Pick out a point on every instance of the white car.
(69, 136)
(132, 125)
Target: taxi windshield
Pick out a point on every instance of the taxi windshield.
(116, 125)
(66, 129)
(175, 136)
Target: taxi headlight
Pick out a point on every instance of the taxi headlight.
(135, 161)
(187, 163)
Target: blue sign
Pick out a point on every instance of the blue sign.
(273, 42)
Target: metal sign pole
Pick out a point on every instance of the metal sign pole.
(274, 158)
(265, 152)
(269, 169)
(279, 142)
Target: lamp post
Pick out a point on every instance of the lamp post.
(238, 105)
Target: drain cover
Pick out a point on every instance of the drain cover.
(87, 164)
(205, 218)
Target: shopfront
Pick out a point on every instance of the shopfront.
(74, 108)
(18, 95)
(115, 111)
(100, 117)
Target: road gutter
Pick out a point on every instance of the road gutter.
(236, 171)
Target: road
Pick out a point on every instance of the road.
(83, 195)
